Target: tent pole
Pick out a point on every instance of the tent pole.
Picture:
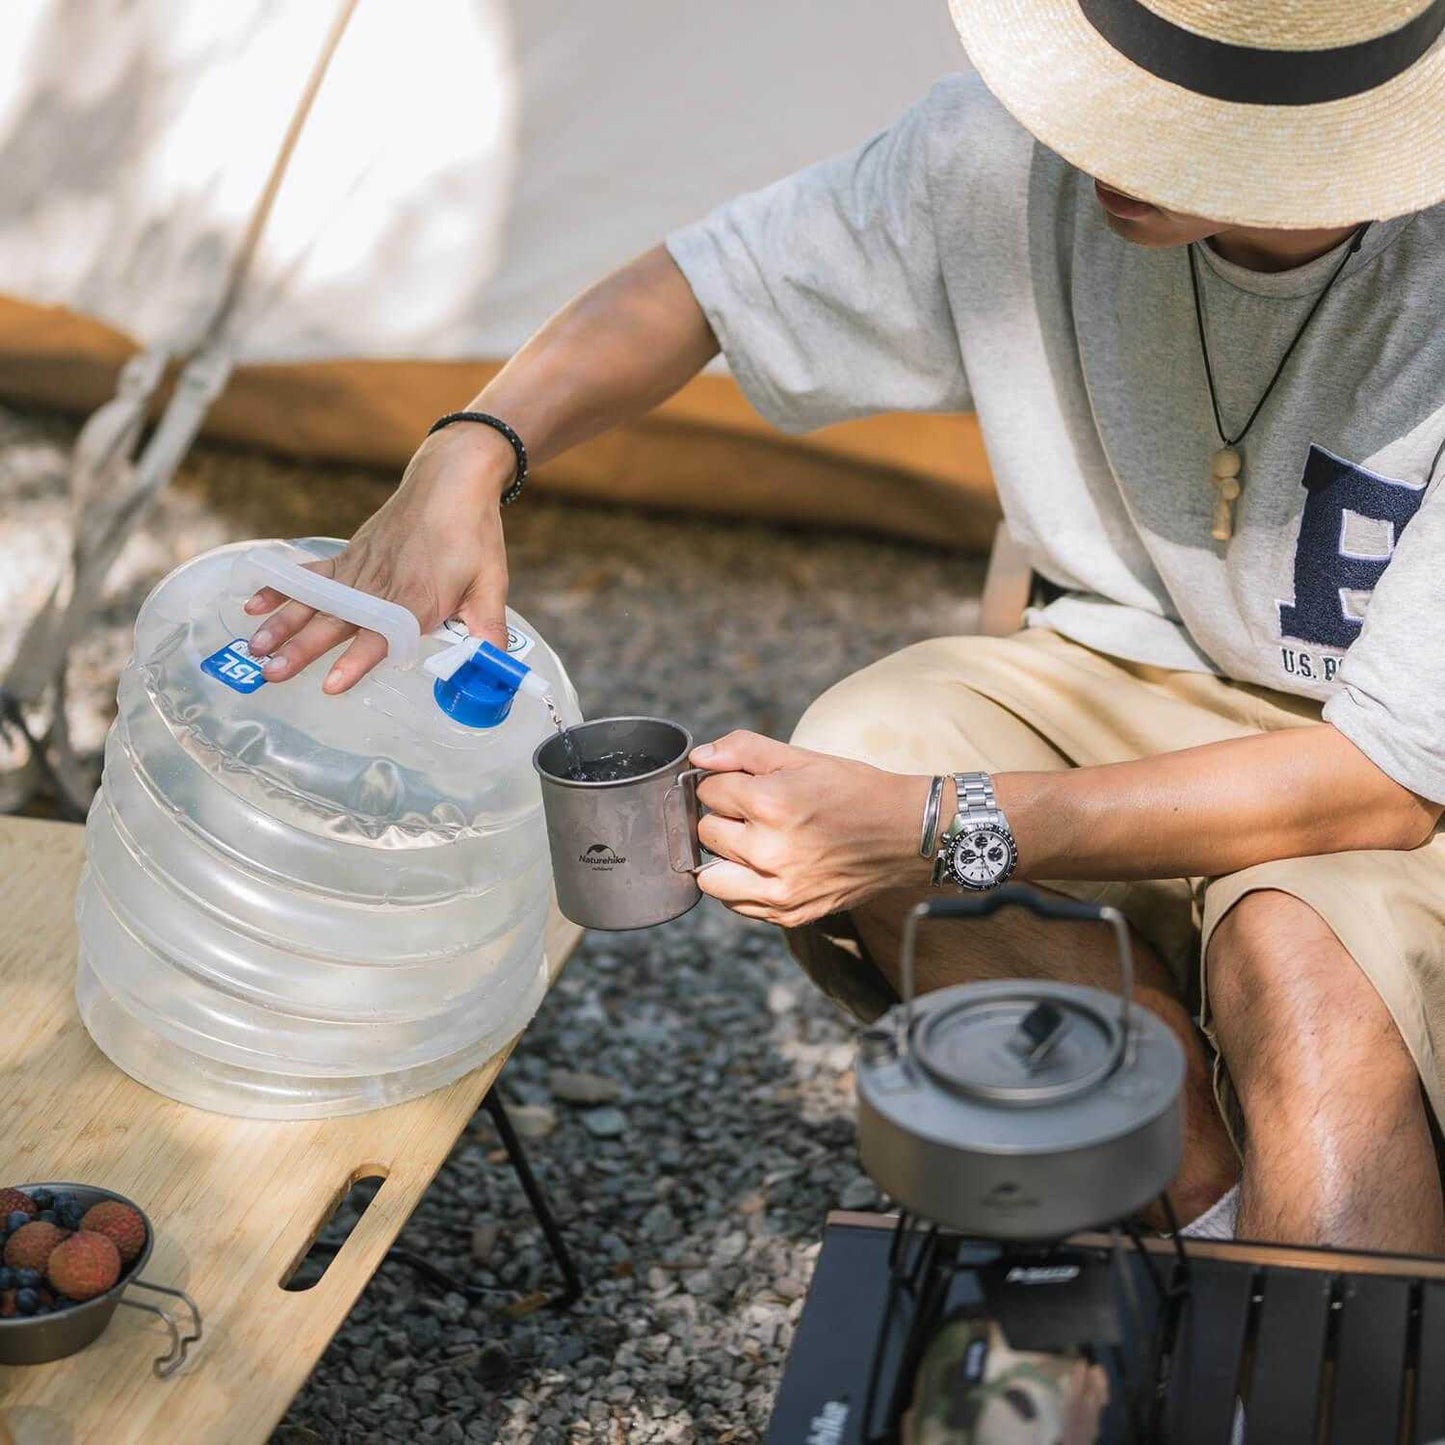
(111, 491)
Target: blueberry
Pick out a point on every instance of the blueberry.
(46, 1216)
(26, 1278)
(7, 1278)
(44, 1309)
(64, 1197)
(15, 1219)
(42, 1198)
(27, 1301)
(70, 1216)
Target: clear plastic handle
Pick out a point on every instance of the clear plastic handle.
(291, 579)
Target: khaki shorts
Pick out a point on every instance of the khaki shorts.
(1036, 702)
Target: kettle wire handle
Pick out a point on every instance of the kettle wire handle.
(1013, 895)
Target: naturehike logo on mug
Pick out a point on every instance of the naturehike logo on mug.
(601, 856)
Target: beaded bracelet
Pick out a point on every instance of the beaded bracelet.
(519, 447)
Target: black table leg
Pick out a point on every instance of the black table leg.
(564, 1298)
(537, 1197)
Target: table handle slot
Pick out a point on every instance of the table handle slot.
(309, 1267)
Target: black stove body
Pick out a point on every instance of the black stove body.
(1348, 1349)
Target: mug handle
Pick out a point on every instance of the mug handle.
(684, 786)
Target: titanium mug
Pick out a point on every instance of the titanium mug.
(624, 853)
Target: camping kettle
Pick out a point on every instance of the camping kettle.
(1019, 1108)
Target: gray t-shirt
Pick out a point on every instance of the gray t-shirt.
(952, 263)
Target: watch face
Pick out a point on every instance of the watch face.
(981, 858)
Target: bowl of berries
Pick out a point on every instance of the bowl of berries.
(68, 1254)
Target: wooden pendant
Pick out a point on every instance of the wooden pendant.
(1225, 469)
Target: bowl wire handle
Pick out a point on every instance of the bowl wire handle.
(1044, 906)
(167, 1364)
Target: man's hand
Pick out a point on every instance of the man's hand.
(798, 834)
(436, 548)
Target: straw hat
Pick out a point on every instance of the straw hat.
(1281, 113)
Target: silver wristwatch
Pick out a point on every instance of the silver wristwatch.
(978, 851)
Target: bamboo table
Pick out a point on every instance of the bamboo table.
(235, 1203)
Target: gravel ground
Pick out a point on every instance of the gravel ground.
(712, 1127)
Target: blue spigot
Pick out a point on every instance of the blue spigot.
(476, 682)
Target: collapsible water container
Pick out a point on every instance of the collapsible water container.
(297, 905)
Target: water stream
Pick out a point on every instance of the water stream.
(609, 768)
(575, 768)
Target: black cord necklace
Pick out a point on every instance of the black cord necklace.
(1226, 464)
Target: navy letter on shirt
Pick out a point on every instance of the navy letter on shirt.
(1351, 524)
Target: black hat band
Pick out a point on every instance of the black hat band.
(1249, 75)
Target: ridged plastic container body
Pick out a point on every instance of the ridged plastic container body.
(297, 905)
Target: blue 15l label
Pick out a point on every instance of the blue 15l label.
(235, 666)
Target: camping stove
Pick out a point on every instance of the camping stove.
(1094, 1323)
(1020, 1111)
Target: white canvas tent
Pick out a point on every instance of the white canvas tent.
(470, 163)
(466, 166)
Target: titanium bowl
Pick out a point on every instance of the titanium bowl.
(37, 1339)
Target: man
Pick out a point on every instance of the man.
(1218, 440)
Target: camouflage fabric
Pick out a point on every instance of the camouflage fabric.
(973, 1389)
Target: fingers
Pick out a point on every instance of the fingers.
(484, 603)
(319, 635)
(366, 650)
(736, 884)
(756, 895)
(268, 599)
(485, 615)
(724, 837)
(746, 752)
(732, 794)
(280, 628)
(292, 617)
(296, 635)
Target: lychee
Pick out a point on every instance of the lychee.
(121, 1224)
(30, 1246)
(13, 1199)
(85, 1265)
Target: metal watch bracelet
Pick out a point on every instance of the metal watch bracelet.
(975, 790)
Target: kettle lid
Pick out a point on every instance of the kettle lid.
(1032, 1044)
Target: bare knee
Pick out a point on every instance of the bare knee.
(1294, 1014)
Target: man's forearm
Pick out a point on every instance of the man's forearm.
(1211, 810)
(610, 355)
